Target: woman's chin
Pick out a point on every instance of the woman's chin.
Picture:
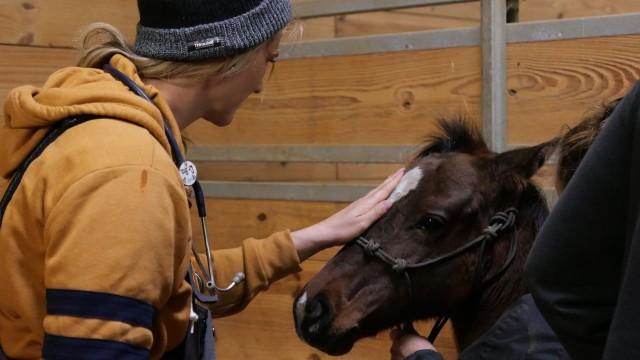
(221, 121)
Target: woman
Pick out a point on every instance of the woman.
(95, 243)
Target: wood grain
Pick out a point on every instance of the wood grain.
(233, 220)
(416, 19)
(468, 14)
(59, 23)
(355, 100)
(20, 65)
(266, 171)
(552, 84)
(395, 98)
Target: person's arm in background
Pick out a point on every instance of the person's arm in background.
(266, 260)
(584, 267)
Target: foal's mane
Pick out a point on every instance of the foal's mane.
(459, 134)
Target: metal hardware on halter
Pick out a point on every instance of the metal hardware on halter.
(498, 223)
(188, 174)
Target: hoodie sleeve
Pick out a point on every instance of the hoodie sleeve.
(263, 262)
(116, 254)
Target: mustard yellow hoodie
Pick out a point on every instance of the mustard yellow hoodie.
(95, 244)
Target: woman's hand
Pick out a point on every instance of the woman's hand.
(347, 223)
(407, 343)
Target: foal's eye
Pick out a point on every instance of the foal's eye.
(430, 224)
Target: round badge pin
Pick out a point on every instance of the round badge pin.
(188, 173)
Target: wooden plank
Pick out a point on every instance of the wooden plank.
(298, 172)
(387, 99)
(57, 23)
(532, 10)
(311, 9)
(286, 171)
(424, 18)
(394, 98)
(365, 172)
(311, 29)
(463, 15)
(564, 81)
(303, 153)
(296, 191)
(20, 65)
(261, 171)
(231, 221)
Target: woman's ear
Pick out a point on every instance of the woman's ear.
(526, 161)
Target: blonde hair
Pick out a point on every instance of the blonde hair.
(100, 41)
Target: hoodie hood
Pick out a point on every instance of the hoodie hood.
(31, 111)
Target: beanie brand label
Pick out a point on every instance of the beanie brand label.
(205, 44)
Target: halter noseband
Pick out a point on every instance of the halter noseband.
(499, 222)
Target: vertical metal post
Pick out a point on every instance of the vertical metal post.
(494, 77)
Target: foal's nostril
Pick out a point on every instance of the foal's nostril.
(317, 314)
(313, 310)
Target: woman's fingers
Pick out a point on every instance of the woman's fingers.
(381, 192)
(347, 223)
(375, 213)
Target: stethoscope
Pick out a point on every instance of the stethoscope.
(189, 175)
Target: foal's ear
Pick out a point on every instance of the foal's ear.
(526, 161)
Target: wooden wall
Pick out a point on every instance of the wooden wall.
(468, 14)
(377, 99)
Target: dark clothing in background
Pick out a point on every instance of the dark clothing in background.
(584, 268)
(425, 355)
(521, 333)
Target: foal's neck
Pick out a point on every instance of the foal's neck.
(482, 311)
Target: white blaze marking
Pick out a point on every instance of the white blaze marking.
(409, 181)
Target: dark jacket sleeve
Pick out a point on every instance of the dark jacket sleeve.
(584, 268)
(425, 355)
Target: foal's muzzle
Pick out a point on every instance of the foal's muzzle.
(313, 318)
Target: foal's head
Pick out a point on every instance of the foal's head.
(448, 195)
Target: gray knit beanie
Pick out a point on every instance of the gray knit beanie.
(191, 30)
